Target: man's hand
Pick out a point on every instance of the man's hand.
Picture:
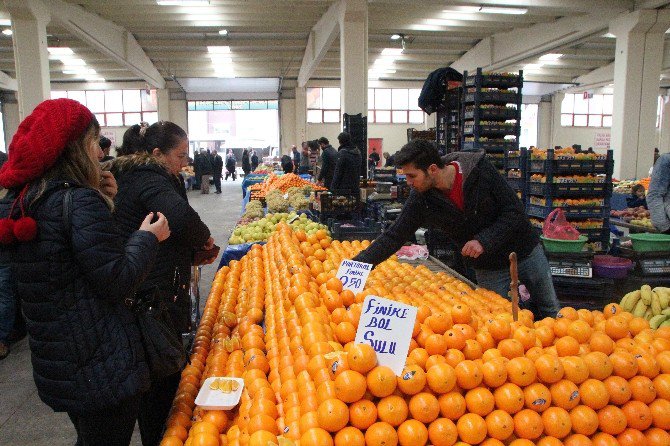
(108, 184)
(472, 249)
(209, 245)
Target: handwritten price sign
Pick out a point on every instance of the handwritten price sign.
(353, 275)
(387, 327)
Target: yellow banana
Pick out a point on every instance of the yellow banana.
(657, 320)
(648, 314)
(664, 295)
(633, 299)
(640, 309)
(646, 294)
(655, 303)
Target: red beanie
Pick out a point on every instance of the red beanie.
(41, 139)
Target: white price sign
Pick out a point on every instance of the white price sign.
(387, 327)
(354, 275)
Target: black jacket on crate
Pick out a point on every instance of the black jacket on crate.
(328, 163)
(86, 350)
(146, 186)
(493, 215)
(347, 173)
(434, 88)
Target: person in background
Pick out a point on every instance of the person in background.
(197, 169)
(150, 180)
(231, 165)
(105, 145)
(328, 162)
(388, 160)
(73, 272)
(637, 197)
(246, 162)
(296, 157)
(131, 140)
(658, 195)
(464, 196)
(287, 164)
(217, 170)
(3, 158)
(254, 160)
(373, 159)
(304, 159)
(346, 178)
(206, 170)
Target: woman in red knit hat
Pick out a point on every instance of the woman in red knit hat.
(73, 271)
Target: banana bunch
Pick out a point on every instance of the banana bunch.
(651, 304)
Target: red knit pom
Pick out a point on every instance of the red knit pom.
(25, 229)
(6, 231)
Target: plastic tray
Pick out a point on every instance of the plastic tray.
(611, 267)
(365, 230)
(555, 245)
(572, 166)
(647, 242)
(570, 211)
(569, 189)
(210, 399)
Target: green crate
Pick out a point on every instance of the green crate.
(556, 245)
(646, 242)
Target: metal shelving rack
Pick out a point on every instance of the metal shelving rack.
(448, 120)
(513, 161)
(488, 121)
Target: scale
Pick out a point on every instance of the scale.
(570, 264)
(655, 263)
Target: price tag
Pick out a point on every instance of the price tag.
(354, 275)
(387, 326)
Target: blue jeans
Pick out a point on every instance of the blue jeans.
(7, 304)
(534, 273)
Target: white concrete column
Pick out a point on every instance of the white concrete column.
(354, 57)
(637, 71)
(664, 130)
(10, 115)
(178, 108)
(163, 99)
(544, 124)
(300, 119)
(29, 26)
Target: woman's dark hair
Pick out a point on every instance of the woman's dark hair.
(635, 188)
(105, 143)
(164, 135)
(313, 144)
(419, 152)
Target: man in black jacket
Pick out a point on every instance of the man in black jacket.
(328, 162)
(347, 169)
(464, 196)
(217, 170)
(206, 170)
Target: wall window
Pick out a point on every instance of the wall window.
(116, 108)
(394, 106)
(323, 105)
(232, 105)
(596, 111)
(528, 125)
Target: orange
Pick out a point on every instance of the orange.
(611, 310)
(567, 346)
(600, 342)
(618, 389)
(662, 386)
(557, 422)
(436, 344)
(611, 420)
(262, 438)
(565, 394)
(549, 369)
(412, 380)
(412, 433)
(471, 428)
(170, 440)
(584, 420)
(499, 424)
(537, 397)
(657, 437)
(509, 397)
(452, 405)
(528, 424)
(511, 348)
(631, 437)
(604, 439)
(332, 415)
(350, 436)
(549, 441)
(637, 414)
(468, 374)
(498, 328)
(575, 369)
(381, 381)
(350, 386)
(204, 426)
(345, 332)
(379, 434)
(204, 439)
(362, 358)
(479, 401)
(362, 414)
(660, 411)
(425, 408)
(316, 437)
(441, 378)
(521, 371)
(593, 393)
(494, 372)
(577, 440)
(392, 410)
(642, 389)
(624, 364)
(262, 422)
(616, 327)
(442, 432)
(647, 365)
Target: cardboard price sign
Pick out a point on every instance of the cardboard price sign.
(353, 275)
(387, 327)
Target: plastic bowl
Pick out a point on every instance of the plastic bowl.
(556, 245)
(646, 242)
(611, 267)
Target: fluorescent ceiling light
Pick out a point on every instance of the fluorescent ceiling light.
(396, 36)
(609, 35)
(5, 22)
(223, 32)
(391, 51)
(183, 2)
(73, 62)
(79, 70)
(218, 49)
(487, 10)
(221, 60)
(7, 32)
(551, 57)
(384, 61)
(60, 51)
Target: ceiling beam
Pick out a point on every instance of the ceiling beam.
(320, 40)
(7, 82)
(512, 47)
(107, 37)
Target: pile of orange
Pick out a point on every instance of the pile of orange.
(280, 320)
(281, 183)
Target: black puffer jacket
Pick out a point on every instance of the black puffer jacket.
(347, 171)
(146, 186)
(328, 163)
(85, 346)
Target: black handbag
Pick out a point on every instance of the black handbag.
(163, 349)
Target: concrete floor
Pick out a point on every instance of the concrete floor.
(24, 419)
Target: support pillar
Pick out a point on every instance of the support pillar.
(29, 26)
(300, 119)
(163, 99)
(544, 124)
(354, 57)
(664, 128)
(637, 71)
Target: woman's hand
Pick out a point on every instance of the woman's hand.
(108, 184)
(159, 228)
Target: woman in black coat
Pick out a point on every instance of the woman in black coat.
(73, 272)
(246, 162)
(150, 181)
(346, 179)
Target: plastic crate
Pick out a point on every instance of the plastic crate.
(490, 129)
(493, 97)
(569, 189)
(496, 80)
(516, 183)
(570, 211)
(489, 146)
(355, 230)
(494, 114)
(572, 166)
(591, 294)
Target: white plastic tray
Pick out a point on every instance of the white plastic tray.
(210, 399)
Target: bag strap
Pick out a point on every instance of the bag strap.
(67, 211)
